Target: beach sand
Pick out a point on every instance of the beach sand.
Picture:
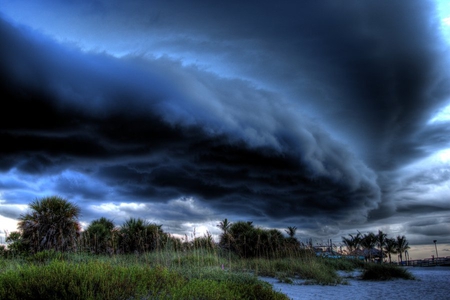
(430, 283)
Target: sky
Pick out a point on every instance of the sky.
(330, 116)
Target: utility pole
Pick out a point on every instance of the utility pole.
(436, 248)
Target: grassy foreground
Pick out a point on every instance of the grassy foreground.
(197, 274)
(85, 277)
(102, 280)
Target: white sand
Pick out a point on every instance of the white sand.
(430, 283)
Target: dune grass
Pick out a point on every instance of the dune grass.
(285, 269)
(193, 274)
(84, 277)
(343, 264)
(370, 270)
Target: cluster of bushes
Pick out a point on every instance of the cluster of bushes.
(134, 236)
(246, 240)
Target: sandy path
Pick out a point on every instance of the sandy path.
(430, 283)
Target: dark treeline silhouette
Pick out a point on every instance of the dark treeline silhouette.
(376, 246)
(52, 224)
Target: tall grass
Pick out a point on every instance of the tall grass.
(313, 270)
(87, 277)
(343, 264)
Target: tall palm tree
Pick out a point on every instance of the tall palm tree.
(51, 224)
(402, 246)
(352, 242)
(291, 231)
(224, 226)
(390, 247)
(381, 241)
(368, 242)
(292, 240)
(225, 237)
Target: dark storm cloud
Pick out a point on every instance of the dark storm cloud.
(439, 227)
(418, 190)
(373, 72)
(422, 209)
(154, 145)
(258, 110)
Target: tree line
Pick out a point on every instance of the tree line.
(366, 244)
(52, 224)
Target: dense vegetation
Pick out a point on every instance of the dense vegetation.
(51, 258)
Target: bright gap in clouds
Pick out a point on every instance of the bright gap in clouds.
(443, 115)
(443, 8)
(443, 156)
(8, 225)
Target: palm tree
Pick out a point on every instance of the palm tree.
(137, 236)
(291, 231)
(381, 240)
(224, 226)
(353, 242)
(368, 242)
(390, 247)
(51, 224)
(402, 246)
(225, 237)
(99, 235)
(241, 237)
(292, 240)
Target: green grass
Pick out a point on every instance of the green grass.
(311, 269)
(126, 277)
(343, 264)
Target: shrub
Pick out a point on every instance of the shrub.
(385, 272)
